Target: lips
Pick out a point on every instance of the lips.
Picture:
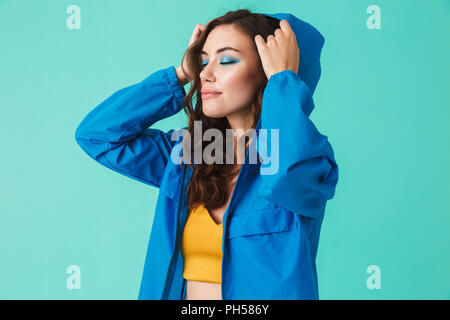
(206, 90)
(207, 93)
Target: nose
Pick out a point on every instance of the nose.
(208, 73)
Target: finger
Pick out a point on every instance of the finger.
(261, 46)
(260, 43)
(196, 33)
(277, 33)
(285, 27)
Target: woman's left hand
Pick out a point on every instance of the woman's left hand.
(281, 51)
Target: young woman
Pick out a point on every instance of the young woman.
(227, 229)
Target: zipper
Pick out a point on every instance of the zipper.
(174, 258)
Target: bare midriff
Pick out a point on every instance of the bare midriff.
(200, 290)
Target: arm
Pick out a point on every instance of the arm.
(307, 173)
(116, 132)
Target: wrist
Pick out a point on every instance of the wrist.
(180, 75)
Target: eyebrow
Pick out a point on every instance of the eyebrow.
(222, 49)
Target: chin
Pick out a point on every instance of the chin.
(213, 112)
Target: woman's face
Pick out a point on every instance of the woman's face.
(233, 72)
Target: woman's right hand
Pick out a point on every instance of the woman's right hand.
(182, 78)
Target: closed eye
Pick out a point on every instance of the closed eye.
(224, 62)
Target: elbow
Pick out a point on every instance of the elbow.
(331, 179)
(89, 143)
(81, 136)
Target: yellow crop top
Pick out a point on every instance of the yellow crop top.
(201, 247)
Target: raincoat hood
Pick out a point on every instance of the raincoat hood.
(310, 42)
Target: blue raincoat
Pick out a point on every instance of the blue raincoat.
(272, 224)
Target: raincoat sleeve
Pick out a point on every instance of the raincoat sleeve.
(116, 132)
(307, 171)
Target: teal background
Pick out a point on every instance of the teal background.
(383, 101)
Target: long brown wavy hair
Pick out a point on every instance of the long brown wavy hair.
(209, 182)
